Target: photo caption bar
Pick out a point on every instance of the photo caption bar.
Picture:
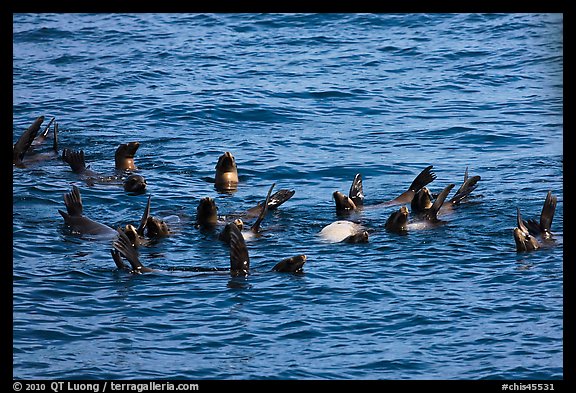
(104, 386)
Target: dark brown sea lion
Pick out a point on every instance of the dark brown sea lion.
(355, 198)
(532, 235)
(124, 161)
(124, 247)
(422, 200)
(276, 199)
(255, 228)
(398, 220)
(226, 179)
(75, 219)
(30, 139)
(291, 265)
(425, 177)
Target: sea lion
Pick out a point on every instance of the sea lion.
(531, 235)
(424, 178)
(239, 257)
(398, 221)
(226, 179)
(291, 265)
(355, 198)
(123, 246)
(422, 200)
(344, 231)
(77, 221)
(30, 139)
(206, 214)
(124, 161)
(255, 228)
(276, 199)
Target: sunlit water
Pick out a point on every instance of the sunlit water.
(305, 101)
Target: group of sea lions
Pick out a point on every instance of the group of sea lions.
(425, 207)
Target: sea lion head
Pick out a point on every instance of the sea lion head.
(226, 173)
(358, 237)
(155, 227)
(132, 234)
(124, 156)
(422, 200)
(207, 213)
(135, 183)
(525, 241)
(398, 221)
(292, 265)
(343, 202)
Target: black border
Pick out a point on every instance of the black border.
(24, 6)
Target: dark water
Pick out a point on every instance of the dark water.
(305, 101)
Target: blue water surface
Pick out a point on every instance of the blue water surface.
(305, 101)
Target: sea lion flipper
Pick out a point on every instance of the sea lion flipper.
(548, 212)
(25, 141)
(256, 226)
(75, 159)
(465, 189)
(279, 197)
(144, 219)
(520, 223)
(356, 192)
(424, 178)
(239, 258)
(118, 260)
(432, 214)
(123, 245)
(73, 202)
(55, 143)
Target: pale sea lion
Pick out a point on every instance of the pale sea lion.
(355, 198)
(226, 179)
(29, 139)
(79, 223)
(344, 231)
(531, 235)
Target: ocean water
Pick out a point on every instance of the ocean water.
(305, 101)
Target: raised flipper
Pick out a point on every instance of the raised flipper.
(73, 202)
(424, 178)
(25, 141)
(123, 245)
(524, 240)
(277, 199)
(55, 143)
(118, 260)
(290, 265)
(543, 227)
(356, 192)
(239, 258)
(432, 213)
(75, 159)
(44, 134)
(144, 220)
(256, 226)
(465, 189)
